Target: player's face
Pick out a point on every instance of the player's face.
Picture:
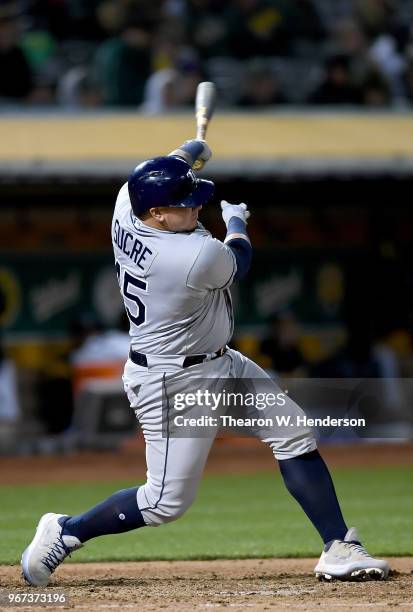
(180, 219)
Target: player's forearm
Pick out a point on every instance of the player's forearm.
(238, 241)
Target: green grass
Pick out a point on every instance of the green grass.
(233, 517)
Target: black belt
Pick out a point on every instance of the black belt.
(141, 360)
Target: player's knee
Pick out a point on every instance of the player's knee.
(167, 510)
(171, 510)
(289, 448)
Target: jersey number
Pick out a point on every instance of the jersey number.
(128, 283)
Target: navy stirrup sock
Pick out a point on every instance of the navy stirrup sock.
(117, 514)
(308, 480)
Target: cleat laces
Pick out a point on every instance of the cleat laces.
(357, 548)
(58, 552)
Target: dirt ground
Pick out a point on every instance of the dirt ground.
(259, 584)
(252, 584)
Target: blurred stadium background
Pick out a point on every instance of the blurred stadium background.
(314, 130)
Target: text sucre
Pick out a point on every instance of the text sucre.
(131, 246)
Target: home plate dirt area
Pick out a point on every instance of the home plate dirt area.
(253, 584)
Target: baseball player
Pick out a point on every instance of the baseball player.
(174, 277)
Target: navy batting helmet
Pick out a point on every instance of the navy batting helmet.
(167, 181)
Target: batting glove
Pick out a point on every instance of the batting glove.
(193, 151)
(234, 210)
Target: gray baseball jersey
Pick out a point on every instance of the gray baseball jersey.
(175, 288)
(174, 285)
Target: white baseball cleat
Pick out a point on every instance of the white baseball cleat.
(47, 550)
(348, 560)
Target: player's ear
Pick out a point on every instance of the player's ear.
(156, 213)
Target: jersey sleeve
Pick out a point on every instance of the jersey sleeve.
(214, 267)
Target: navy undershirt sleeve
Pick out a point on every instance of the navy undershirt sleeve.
(241, 248)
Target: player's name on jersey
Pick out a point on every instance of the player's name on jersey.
(131, 246)
(279, 420)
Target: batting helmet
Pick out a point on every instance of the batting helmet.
(167, 181)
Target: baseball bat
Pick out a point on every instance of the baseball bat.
(204, 109)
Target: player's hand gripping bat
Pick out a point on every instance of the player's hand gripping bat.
(204, 109)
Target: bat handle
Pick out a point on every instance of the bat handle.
(200, 134)
(201, 131)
